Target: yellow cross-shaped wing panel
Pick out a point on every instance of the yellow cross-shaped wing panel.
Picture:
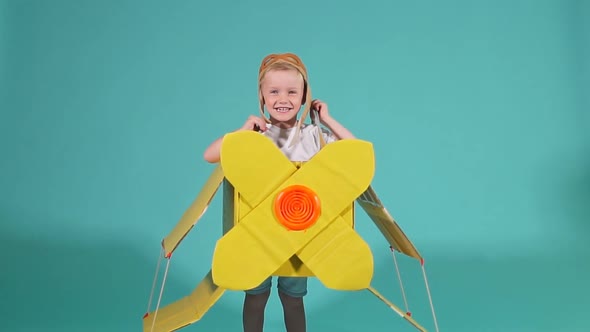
(260, 243)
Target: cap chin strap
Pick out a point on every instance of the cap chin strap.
(294, 136)
(315, 120)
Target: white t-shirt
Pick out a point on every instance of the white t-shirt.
(307, 146)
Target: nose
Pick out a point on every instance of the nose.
(283, 98)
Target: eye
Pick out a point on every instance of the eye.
(293, 92)
(273, 91)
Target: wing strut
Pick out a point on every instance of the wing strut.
(398, 242)
(190, 308)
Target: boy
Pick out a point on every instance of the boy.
(283, 88)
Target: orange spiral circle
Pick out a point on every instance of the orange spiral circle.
(297, 207)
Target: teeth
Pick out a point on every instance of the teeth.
(282, 109)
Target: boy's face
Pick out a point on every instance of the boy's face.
(283, 92)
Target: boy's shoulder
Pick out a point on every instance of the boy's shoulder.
(310, 130)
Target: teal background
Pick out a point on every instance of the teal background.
(478, 112)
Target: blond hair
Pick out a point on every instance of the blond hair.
(285, 61)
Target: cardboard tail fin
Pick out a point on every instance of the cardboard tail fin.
(185, 311)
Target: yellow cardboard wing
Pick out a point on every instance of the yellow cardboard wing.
(284, 218)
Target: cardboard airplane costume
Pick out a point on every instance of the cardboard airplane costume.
(284, 218)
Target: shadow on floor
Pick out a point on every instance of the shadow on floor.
(480, 294)
(72, 285)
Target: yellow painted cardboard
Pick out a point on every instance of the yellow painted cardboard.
(254, 245)
(258, 239)
(185, 311)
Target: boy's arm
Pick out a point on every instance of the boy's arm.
(213, 151)
(336, 128)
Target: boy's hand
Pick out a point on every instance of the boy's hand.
(254, 123)
(322, 109)
(327, 120)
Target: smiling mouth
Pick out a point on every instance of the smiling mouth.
(282, 109)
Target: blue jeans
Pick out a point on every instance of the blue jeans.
(292, 286)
